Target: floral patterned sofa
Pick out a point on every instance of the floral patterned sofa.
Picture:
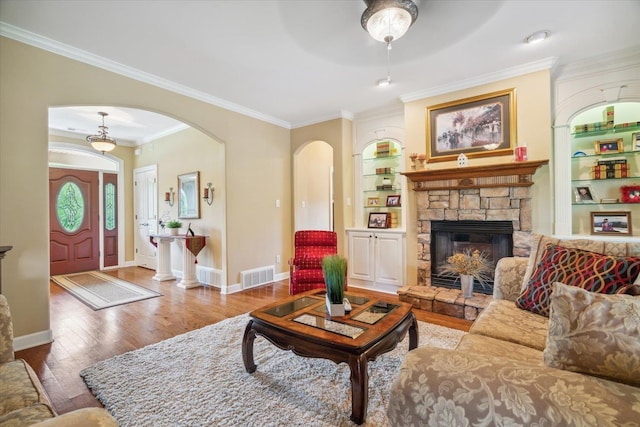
(577, 365)
(23, 400)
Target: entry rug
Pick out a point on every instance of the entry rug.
(99, 290)
(198, 379)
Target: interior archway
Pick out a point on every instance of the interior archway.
(175, 148)
(313, 186)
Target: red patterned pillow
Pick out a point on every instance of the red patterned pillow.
(591, 271)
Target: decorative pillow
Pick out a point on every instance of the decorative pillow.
(594, 334)
(594, 272)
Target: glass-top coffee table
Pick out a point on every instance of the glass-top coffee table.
(300, 324)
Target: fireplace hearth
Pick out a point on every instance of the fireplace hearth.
(492, 238)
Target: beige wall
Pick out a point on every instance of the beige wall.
(189, 151)
(533, 105)
(257, 165)
(336, 133)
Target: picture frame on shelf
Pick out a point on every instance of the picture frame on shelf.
(611, 223)
(584, 194)
(379, 220)
(609, 146)
(373, 201)
(635, 141)
(479, 126)
(393, 200)
(630, 193)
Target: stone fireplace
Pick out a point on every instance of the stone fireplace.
(494, 239)
(483, 195)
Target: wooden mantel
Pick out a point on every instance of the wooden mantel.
(512, 174)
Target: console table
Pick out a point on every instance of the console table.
(192, 246)
(3, 251)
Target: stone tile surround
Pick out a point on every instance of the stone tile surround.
(478, 204)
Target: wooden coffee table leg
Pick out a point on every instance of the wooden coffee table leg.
(247, 348)
(359, 388)
(413, 333)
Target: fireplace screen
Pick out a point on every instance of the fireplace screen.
(493, 238)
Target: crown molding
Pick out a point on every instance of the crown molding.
(618, 60)
(347, 115)
(45, 43)
(531, 67)
(166, 132)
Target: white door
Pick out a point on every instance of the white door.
(145, 204)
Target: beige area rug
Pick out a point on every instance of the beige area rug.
(99, 290)
(198, 379)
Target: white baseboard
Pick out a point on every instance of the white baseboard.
(237, 287)
(32, 340)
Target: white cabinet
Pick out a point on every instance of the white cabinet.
(376, 259)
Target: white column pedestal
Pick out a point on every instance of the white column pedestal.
(163, 270)
(189, 279)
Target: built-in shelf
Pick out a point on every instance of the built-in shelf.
(512, 174)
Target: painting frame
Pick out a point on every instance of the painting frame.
(393, 200)
(379, 220)
(619, 223)
(489, 127)
(584, 194)
(635, 141)
(373, 202)
(609, 146)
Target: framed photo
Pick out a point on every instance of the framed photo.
(393, 200)
(479, 126)
(373, 201)
(635, 141)
(607, 146)
(379, 220)
(584, 194)
(630, 193)
(614, 223)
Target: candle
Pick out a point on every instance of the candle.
(166, 197)
(206, 193)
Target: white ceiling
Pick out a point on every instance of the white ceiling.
(298, 62)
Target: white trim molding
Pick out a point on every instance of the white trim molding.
(32, 340)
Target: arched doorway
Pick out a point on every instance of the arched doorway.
(313, 187)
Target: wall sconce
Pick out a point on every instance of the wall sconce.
(208, 194)
(168, 196)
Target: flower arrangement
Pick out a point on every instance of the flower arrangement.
(334, 270)
(174, 224)
(469, 263)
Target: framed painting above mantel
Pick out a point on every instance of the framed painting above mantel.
(479, 126)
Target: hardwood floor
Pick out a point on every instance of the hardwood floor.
(83, 336)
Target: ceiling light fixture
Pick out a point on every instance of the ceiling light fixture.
(102, 141)
(388, 20)
(537, 37)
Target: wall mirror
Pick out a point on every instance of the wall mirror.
(188, 190)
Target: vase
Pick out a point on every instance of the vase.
(173, 231)
(466, 285)
(334, 309)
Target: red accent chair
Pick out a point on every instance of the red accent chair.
(305, 268)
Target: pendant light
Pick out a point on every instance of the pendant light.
(102, 141)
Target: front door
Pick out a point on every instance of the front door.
(74, 236)
(146, 215)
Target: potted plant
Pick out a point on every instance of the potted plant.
(173, 226)
(334, 270)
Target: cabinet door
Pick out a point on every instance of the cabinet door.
(388, 262)
(361, 255)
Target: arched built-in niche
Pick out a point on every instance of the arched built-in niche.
(576, 93)
(313, 186)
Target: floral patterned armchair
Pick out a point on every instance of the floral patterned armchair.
(305, 268)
